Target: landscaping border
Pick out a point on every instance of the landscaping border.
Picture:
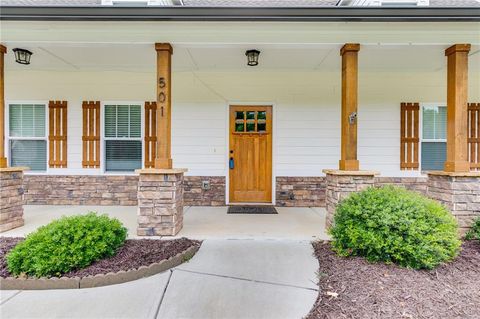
(13, 283)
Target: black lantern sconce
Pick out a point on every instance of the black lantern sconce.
(22, 56)
(252, 56)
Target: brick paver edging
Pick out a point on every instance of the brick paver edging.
(12, 283)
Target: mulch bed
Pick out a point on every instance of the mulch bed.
(133, 254)
(367, 290)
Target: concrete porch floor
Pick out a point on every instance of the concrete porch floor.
(200, 222)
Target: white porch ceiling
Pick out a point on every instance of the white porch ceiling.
(224, 58)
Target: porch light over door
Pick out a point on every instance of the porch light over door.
(252, 56)
(22, 56)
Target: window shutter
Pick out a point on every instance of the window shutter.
(57, 133)
(91, 134)
(474, 135)
(409, 136)
(150, 133)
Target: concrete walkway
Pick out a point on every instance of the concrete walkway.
(226, 279)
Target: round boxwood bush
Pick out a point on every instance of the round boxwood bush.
(474, 232)
(66, 244)
(394, 225)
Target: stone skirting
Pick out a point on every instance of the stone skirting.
(11, 198)
(300, 191)
(195, 195)
(340, 184)
(160, 202)
(460, 194)
(417, 184)
(104, 190)
(110, 190)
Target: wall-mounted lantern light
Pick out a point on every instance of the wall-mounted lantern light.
(252, 56)
(22, 56)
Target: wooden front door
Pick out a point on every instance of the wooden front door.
(250, 156)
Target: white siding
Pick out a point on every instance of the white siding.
(199, 140)
(306, 112)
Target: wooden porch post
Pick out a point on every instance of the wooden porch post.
(163, 159)
(349, 53)
(457, 109)
(160, 189)
(3, 159)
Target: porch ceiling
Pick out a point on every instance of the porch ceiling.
(223, 58)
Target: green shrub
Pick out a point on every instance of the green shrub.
(393, 225)
(474, 232)
(67, 244)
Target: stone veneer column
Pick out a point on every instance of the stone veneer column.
(160, 202)
(11, 198)
(340, 184)
(459, 192)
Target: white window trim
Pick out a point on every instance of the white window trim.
(8, 138)
(103, 166)
(420, 127)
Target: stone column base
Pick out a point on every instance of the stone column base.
(160, 202)
(459, 192)
(340, 184)
(11, 198)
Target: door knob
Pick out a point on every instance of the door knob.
(231, 163)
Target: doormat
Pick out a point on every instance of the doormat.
(251, 210)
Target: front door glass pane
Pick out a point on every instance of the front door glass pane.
(239, 115)
(239, 127)
(251, 127)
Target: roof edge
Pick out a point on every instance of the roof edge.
(317, 14)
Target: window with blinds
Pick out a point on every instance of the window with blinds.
(434, 137)
(123, 140)
(27, 136)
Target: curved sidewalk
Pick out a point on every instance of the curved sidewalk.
(226, 279)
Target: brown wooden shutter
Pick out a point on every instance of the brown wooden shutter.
(150, 133)
(409, 136)
(91, 134)
(57, 133)
(474, 135)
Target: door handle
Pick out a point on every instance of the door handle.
(231, 163)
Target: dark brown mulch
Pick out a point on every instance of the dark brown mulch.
(133, 254)
(6, 244)
(367, 290)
